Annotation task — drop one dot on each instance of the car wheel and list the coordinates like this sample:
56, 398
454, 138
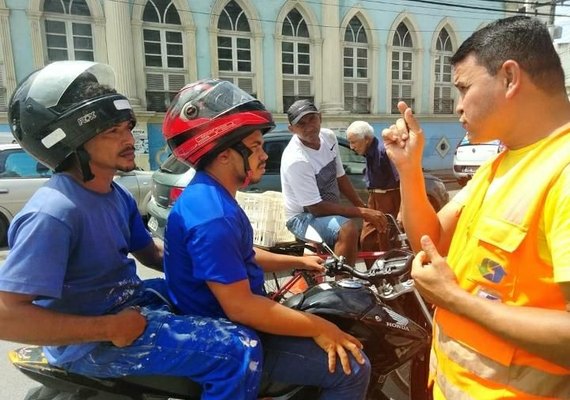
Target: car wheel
463, 181
3, 231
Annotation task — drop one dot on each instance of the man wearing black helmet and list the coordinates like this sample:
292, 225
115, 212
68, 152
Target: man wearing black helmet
68, 269
211, 266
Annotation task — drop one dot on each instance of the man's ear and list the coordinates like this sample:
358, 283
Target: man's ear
224, 156
290, 128
512, 75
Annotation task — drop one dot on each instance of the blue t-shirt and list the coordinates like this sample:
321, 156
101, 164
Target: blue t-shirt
208, 238
380, 171
69, 247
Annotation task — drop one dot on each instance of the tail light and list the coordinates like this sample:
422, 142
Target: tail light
174, 194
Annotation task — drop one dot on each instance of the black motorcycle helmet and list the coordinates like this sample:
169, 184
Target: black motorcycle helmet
52, 116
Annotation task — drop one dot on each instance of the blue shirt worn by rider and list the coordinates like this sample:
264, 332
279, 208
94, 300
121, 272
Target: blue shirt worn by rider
208, 238
69, 247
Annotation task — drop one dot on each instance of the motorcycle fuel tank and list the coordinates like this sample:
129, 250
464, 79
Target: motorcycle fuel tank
389, 338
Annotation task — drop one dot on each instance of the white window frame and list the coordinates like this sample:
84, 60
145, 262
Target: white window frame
69, 20
442, 59
302, 84
354, 81
246, 80
400, 81
164, 70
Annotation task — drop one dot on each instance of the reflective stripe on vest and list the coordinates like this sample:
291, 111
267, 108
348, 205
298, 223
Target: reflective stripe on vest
522, 378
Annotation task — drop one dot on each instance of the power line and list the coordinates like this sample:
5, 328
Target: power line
460, 7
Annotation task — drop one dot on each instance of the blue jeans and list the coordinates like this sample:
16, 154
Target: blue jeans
297, 360
225, 358
328, 227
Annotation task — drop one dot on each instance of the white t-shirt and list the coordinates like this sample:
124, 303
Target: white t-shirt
309, 176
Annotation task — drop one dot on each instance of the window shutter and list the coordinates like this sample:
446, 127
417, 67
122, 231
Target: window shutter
304, 88
246, 84
362, 90
176, 82
154, 82
3, 99
288, 87
348, 90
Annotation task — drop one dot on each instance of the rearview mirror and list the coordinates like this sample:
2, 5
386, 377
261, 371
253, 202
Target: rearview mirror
311, 235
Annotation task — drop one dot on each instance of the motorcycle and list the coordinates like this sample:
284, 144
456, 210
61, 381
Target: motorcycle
379, 306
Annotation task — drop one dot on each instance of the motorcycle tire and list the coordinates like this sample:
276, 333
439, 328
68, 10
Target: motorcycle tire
42, 393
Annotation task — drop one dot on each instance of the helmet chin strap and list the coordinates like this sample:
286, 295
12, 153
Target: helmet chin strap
83, 158
244, 152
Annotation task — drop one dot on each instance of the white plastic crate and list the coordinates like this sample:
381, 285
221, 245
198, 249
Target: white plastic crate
267, 216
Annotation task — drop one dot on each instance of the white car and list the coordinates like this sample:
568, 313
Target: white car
468, 158
21, 175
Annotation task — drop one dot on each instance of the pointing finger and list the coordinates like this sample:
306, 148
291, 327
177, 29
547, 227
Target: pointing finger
408, 116
402, 107
411, 121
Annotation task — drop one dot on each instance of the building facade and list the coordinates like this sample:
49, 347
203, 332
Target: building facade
354, 59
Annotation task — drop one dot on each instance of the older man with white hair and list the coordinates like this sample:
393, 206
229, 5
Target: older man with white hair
382, 181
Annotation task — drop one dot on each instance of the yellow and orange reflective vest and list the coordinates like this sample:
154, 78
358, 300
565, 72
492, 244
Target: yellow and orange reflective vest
503, 249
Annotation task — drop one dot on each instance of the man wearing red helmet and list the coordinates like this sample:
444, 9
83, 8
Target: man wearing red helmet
211, 266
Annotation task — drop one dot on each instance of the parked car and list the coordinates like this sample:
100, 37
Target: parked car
172, 177
21, 175
468, 158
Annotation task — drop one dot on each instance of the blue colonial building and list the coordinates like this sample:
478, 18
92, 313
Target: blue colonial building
354, 59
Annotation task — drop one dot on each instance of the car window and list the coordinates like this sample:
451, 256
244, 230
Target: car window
354, 164
19, 164
174, 166
274, 150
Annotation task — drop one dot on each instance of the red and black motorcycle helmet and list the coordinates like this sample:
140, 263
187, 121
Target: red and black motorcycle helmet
209, 116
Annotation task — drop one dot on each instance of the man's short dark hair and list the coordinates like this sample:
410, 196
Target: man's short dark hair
522, 39
85, 87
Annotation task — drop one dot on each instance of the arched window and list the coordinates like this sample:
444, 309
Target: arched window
296, 59
165, 68
235, 47
355, 63
402, 67
68, 30
443, 87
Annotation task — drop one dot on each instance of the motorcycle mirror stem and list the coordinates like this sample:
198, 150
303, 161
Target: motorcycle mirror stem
311, 235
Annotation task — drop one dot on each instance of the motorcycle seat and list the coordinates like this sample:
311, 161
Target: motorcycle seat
171, 384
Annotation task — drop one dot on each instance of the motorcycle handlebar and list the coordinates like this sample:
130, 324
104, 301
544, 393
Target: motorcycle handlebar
394, 263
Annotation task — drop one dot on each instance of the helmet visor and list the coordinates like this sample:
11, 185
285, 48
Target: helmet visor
57, 77
208, 98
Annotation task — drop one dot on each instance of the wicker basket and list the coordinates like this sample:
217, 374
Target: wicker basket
267, 216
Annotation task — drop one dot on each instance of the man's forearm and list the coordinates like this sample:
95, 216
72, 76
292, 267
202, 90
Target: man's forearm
418, 216
31, 324
272, 262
